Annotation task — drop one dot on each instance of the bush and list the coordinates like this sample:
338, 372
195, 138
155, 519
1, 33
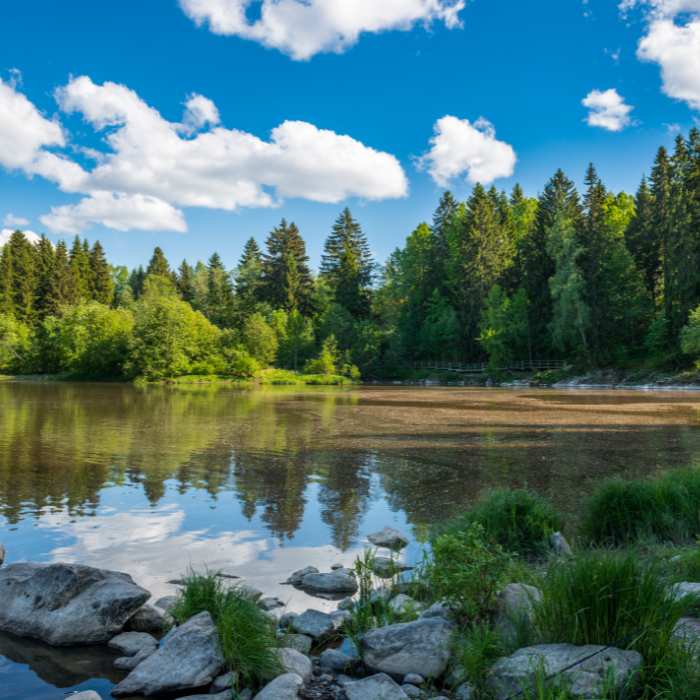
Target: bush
520, 521
247, 637
15, 344
260, 339
666, 508
476, 649
327, 359
690, 335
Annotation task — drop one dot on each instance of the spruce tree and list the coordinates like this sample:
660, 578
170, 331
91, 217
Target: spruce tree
219, 305
137, 277
24, 270
249, 280
44, 294
185, 282
444, 224
7, 302
63, 290
643, 240
80, 270
347, 265
101, 283
158, 264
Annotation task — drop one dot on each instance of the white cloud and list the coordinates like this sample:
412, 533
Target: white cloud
200, 111
607, 110
303, 28
5, 234
461, 148
16, 221
122, 212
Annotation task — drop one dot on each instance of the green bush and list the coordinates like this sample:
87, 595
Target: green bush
15, 344
518, 520
476, 648
666, 509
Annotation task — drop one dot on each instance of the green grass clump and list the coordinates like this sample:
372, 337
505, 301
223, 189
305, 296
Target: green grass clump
666, 509
475, 650
247, 637
518, 520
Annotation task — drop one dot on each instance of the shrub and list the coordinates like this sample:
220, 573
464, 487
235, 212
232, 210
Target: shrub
15, 344
518, 520
260, 339
327, 360
690, 335
475, 650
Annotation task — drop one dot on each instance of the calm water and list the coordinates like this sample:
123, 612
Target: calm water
256, 484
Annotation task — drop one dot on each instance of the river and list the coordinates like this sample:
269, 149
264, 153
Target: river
154, 481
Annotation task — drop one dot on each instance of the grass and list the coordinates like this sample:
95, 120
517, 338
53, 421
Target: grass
285, 377
247, 637
666, 509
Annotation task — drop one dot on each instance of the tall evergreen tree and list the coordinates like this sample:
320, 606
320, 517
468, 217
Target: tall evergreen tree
7, 300
185, 282
137, 279
80, 269
444, 225
46, 263
101, 283
249, 280
643, 240
158, 264
63, 289
23, 258
219, 305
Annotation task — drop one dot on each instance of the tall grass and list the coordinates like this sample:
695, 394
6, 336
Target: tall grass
666, 509
246, 634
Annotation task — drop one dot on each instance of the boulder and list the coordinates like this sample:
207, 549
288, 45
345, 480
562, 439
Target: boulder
166, 603
411, 691
313, 623
131, 643
300, 642
297, 576
188, 658
684, 589
389, 538
516, 608
293, 661
333, 582
2, 558
346, 604
585, 670
386, 567
270, 603
403, 604
687, 632
420, 647
221, 695
336, 661
464, 692
441, 609
66, 604
284, 687
377, 687
414, 679
559, 545
285, 620
224, 682
129, 663
150, 619
340, 618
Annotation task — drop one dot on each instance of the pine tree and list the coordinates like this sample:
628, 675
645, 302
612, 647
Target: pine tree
158, 264
101, 284
63, 290
347, 265
7, 302
219, 305
643, 240
23, 257
46, 263
185, 282
249, 280
136, 281
80, 270
444, 224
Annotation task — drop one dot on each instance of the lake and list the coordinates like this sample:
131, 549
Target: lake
154, 481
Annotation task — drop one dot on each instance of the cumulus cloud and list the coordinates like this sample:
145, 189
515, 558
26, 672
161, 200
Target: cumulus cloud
16, 221
460, 148
200, 111
304, 28
607, 110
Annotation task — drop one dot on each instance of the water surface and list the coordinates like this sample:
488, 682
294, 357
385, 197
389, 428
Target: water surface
259, 483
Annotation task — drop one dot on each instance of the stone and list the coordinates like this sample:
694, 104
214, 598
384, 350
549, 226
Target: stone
385, 567
297, 576
224, 682
422, 646
270, 603
166, 603
464, 692
336, 661
346, 604
414, 679
129, 663
336, 566
293, 661
150, 619
515, 609
560, 545
389, 538
284, 687
377, 687
687, 632
222, 695
130, 643
585, 670
340, 581
313, 623
685, 588
441, 609
403, 604
411, 691
340, 618
188, 658
66, 604
2, 556
84, 695
300, 642
248, 591
287, 619
245, 694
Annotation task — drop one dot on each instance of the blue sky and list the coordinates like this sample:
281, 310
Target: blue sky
125, 70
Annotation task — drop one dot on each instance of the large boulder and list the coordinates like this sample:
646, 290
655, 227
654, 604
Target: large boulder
687, 632
389, 538
189, 658
586, 671
377, 687
284, 687
516, 609
685, 589
66, 604
296, 577
313, 623
420, 647
331, 583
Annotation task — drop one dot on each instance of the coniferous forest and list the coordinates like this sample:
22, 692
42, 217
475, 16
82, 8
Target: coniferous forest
592, 278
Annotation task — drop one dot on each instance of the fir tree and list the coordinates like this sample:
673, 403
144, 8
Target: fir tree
249, 280
219, 305
136, 282
23, 280
158, 264
7, 302
185, 282
80, 269
44, 293
643, 240
101, 283
63, 290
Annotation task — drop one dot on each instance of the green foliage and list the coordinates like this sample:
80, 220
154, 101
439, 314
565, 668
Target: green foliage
519, 521
327, 360
239, 362
247, 637
15, 343
260, 339
690, 336
504, 327
476, 649
666, 508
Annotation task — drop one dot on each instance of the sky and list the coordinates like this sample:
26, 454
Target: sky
196, 124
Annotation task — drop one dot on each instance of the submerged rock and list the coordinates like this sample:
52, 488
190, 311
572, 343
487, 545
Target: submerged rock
586, 670
389, 538
377, 687
66, 604
189, 658
85, 695
296, 577
284, 687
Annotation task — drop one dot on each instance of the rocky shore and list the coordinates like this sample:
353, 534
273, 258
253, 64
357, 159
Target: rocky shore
65, 604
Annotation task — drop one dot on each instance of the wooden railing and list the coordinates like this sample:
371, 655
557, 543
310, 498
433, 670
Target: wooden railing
479, 367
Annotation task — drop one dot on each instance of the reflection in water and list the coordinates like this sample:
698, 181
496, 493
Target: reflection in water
256, 484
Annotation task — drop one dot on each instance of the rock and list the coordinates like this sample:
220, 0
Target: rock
389, 538
150, 619
188, 658
340, 581
687, 632
336, 566
270, 603
346, 604
2, 557
377, 687
340, 618
284, 687
131, 643
414, 679
336, 661
411, 691
313, 623
222, 695
386, 567
598, 666
420, 647
224, 682
404, 605
297, 576
129, 663
559, 545
300, 642
464, 692
84, 695
684, 589
166, 603
66, 604
248, 591
441, 609
516, 608
245, 694
293, 661
287, 619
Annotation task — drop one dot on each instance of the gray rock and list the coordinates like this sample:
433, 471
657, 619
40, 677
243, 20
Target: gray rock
221, 695
340, 581
336, 661
585, 670
224, 682
559, 545
346, 604
150, 619
685, 589
66, 604
166, 603
465, 692
131, 643
248, 591
84, 695
129, 663
420, 647
414, 679
297, 576
516, 609
336, 566
377, 687
245, 694
441, 609
2, 558
270, 603
188, 658
300, 642
286, 620
293, 661
411, 691
313, 623
389, 538
340, 618
386, 567
687, 632
284, 687
403, 604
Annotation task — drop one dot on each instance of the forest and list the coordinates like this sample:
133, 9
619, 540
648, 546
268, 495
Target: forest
594, 279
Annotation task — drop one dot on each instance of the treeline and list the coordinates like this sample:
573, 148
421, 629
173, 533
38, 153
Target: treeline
595, 279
